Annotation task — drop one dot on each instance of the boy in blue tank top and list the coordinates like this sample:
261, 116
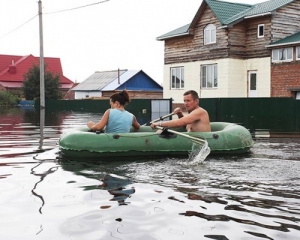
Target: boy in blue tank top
116, 119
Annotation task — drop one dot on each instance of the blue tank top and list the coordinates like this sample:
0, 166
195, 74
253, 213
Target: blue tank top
119, 121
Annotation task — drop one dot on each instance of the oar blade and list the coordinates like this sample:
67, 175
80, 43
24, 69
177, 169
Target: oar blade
199, 153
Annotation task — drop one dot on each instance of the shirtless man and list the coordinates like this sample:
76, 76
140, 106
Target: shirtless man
196, 121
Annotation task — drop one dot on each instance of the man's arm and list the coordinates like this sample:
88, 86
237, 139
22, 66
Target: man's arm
178, 111
183, 121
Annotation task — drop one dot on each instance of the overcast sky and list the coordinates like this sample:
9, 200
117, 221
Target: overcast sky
104, 35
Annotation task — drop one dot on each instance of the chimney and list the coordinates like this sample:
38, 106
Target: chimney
12, 69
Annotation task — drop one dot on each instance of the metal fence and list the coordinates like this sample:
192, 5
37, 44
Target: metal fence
271, 114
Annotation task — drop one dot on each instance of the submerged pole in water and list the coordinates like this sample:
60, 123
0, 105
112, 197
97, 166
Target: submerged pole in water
42, 75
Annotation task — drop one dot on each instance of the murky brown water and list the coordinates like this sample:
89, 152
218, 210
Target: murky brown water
45, 196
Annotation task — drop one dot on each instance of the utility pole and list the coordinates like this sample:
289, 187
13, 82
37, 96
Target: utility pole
42, 70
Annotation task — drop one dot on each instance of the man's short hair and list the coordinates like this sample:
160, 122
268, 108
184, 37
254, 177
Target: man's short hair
193, 93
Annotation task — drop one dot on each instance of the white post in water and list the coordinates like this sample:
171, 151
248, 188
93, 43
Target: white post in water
42, 75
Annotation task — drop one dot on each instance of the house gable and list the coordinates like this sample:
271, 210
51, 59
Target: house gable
140, 81
13, 68
229, 14
285, 21
191, 48
222, 10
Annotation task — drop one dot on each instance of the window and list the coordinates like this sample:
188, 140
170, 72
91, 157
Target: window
209, 76
210, 34
177, 78
260, 30
298, 53
283, 54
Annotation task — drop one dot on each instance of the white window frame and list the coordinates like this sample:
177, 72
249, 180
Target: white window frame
282, 55
258, 30
209, 35
298, 53
209, 76
177, 76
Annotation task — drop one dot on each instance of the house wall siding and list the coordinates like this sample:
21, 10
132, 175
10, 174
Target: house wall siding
232, 78
256, 47
192, 48
284, 22
237, 41
285, 76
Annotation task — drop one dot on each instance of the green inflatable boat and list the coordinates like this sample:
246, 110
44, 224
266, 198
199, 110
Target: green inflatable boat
225, 138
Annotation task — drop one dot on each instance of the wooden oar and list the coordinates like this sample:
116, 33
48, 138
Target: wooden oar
197, 140
158, 119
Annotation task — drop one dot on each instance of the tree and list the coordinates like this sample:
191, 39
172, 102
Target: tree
31, 84
8, 99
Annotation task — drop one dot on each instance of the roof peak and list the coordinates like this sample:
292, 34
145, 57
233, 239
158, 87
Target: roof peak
124, 70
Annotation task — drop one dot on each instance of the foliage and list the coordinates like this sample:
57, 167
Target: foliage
8, 99
31, 84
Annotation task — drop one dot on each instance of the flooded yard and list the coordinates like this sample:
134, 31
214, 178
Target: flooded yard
44, 195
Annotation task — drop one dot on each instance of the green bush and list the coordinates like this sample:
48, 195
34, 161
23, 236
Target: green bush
31, 84
8, 99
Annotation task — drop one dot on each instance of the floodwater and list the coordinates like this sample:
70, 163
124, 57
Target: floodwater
45, 196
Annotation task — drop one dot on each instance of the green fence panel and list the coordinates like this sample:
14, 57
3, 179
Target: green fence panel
209, 104
256, 114
297, 116
270, 114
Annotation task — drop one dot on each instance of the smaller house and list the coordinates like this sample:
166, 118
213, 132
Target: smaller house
104, 84
13, 68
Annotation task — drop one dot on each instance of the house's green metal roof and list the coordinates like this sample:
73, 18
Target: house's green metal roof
225, 10
177, 32
295, 38
258, 9
230, 13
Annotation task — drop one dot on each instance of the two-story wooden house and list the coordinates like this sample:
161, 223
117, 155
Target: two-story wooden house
235, 50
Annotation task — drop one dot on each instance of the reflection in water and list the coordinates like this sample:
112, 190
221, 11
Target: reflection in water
251, 196
42, 177
42, 125
115, 185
